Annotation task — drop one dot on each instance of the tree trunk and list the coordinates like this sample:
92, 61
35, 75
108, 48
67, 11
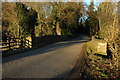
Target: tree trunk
58, 29
99, 25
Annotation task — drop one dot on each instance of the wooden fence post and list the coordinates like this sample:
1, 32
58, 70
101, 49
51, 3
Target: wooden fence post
25, 42
9, 43
28, 44
21, 42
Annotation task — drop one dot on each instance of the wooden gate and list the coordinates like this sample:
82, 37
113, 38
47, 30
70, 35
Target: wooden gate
15, 44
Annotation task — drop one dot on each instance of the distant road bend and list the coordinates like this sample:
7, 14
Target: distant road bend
52, 61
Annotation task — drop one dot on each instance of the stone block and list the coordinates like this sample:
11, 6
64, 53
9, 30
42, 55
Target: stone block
102, 48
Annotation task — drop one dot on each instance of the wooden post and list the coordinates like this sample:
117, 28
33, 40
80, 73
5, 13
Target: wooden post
16, 40
21, 42
25, 42
28, 44
9, 43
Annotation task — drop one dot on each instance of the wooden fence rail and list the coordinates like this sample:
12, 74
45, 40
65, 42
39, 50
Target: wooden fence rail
15, 44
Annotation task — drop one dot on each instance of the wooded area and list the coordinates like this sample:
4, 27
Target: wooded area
37, 19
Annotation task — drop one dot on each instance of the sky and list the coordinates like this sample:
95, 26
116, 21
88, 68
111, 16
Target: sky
95, 1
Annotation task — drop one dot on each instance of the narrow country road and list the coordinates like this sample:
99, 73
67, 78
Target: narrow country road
52, 61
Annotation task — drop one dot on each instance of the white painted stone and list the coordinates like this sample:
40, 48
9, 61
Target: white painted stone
102, 48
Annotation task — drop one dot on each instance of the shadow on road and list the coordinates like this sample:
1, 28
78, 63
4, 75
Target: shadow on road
44, 49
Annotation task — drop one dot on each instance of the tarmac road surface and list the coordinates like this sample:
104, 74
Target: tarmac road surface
52, 61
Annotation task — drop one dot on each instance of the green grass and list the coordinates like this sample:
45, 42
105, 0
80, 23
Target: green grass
104, 75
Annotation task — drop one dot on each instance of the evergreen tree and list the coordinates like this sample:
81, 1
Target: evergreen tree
92, 20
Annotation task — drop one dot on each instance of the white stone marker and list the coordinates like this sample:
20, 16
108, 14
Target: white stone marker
102, 48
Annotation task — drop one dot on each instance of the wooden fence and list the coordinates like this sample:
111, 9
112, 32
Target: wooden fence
15, 44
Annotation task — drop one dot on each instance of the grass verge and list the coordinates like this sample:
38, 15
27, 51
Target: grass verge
91, 66
98, 66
